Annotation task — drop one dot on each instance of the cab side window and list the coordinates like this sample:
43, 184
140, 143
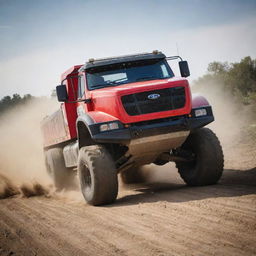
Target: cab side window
81, 86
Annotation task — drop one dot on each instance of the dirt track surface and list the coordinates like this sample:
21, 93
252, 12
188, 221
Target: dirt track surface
153, 219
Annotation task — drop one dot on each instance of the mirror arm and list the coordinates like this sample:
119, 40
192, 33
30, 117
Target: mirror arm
69, 77
174, 58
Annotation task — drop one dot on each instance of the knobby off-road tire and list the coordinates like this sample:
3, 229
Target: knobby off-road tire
207, 167
97, 175
132, 175
55, 164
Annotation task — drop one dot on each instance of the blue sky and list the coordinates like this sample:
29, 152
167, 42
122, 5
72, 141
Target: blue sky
40, 39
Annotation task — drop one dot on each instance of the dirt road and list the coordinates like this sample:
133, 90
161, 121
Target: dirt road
154, 219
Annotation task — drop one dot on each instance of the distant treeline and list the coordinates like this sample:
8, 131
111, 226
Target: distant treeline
9, 102
239, 79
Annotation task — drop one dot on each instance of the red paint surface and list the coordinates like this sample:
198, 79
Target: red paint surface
106, 105
199, 101
72, 89
61, 125
108, 100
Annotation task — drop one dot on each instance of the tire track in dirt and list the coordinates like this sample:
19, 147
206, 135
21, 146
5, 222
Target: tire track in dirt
149, 219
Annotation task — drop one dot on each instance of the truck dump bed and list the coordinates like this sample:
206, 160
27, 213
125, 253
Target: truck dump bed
55, 129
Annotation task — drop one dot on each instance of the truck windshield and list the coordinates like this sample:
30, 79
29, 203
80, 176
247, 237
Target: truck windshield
129, 72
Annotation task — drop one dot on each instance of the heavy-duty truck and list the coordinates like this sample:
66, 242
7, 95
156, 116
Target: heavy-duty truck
120, 113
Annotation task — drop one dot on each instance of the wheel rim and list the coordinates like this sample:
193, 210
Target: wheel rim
86, 180
190, 166
191, 155
193, 162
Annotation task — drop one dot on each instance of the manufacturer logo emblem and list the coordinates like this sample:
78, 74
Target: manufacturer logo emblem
153, 96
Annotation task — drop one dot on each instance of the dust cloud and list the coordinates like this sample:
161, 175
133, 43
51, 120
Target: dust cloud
232, 120
231, 117
22, 169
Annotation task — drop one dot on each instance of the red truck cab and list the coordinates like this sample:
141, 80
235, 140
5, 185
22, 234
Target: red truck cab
132, 108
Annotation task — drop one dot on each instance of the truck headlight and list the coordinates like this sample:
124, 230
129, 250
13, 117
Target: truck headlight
109, 126
200, 112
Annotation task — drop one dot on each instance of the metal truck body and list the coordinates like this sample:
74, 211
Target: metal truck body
133, 106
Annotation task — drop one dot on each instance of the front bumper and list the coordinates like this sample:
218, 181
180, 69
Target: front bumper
145, 129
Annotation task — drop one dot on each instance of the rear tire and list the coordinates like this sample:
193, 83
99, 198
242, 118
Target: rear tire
97, 175
55, 164
207, 167
132, 175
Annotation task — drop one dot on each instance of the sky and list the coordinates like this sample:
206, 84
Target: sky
40, 39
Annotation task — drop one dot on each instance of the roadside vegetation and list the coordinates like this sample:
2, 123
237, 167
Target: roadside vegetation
234, 85
9, 102
236, 79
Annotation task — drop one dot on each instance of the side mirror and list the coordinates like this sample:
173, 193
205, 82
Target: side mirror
61, 92
184, 69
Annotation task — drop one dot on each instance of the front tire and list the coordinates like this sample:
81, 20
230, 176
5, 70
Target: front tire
97, 175
207, 166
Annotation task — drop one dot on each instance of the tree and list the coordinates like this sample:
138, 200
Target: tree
237, 78
217, 68
242, 76
8, 102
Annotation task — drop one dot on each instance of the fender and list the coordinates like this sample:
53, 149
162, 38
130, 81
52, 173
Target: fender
101, 117
94, 117
199, 101
85, 126
84, 118
83, 123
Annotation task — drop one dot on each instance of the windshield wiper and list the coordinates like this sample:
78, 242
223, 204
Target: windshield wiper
147, 78
151, 78
100, 86
117, 81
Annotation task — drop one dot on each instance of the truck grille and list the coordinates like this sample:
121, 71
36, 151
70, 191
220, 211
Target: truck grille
164, 100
